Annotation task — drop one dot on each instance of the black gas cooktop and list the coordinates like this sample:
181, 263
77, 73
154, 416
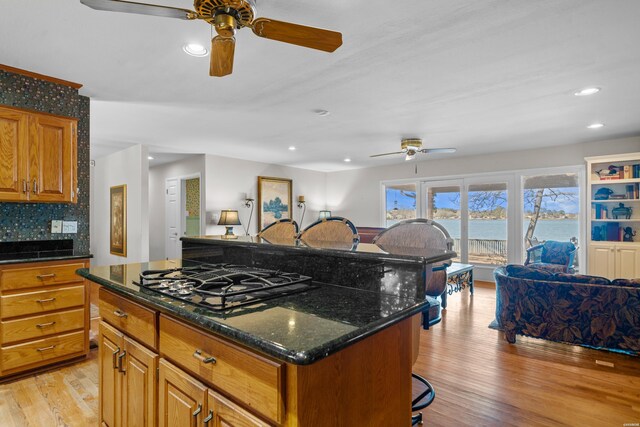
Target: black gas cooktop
223, 286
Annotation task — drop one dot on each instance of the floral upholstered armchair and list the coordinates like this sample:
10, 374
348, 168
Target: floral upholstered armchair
553, 256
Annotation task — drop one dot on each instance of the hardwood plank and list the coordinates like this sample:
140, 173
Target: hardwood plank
480, 379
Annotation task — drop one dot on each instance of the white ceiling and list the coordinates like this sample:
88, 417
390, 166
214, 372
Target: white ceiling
481, 76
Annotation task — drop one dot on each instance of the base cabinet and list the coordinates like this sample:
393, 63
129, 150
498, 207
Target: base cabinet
185, 401
614, 261
128, 381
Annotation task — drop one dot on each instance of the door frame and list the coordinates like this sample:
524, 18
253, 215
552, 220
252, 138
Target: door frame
182, 207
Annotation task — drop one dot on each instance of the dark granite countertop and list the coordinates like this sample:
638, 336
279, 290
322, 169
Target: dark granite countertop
361, 250
39, 251
299, 329
43, 257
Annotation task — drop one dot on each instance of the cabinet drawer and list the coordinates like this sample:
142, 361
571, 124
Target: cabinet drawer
133, 319
42, 351
41, 326
249, 378
37, 302
18, 278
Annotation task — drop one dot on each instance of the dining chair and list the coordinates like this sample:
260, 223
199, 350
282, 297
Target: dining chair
283, 230
334, 232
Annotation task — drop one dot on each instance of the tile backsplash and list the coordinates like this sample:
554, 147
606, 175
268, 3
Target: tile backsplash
32, 221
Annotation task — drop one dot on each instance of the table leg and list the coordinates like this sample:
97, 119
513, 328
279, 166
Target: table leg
444, 298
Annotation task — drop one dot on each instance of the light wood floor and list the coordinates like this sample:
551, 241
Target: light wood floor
65, 397
480, 380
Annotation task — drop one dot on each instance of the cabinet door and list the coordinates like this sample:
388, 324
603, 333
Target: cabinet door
627, 262
51, 158
221, 412
110, 343
14, 134
139, 386
602, 261
181, 398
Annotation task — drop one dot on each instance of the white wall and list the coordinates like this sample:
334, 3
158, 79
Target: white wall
356, 194
157, 179
130, 167
228, 180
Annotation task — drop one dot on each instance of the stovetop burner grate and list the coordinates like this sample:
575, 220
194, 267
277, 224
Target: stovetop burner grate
223, 286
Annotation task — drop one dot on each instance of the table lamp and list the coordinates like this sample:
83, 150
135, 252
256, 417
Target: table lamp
229, 218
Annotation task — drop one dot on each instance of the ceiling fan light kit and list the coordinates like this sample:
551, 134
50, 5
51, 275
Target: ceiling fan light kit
412, 146
227, 17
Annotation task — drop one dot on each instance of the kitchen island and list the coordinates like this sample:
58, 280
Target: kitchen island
332, 354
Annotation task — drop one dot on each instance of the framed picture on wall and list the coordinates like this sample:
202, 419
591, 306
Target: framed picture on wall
274, 199
118, 220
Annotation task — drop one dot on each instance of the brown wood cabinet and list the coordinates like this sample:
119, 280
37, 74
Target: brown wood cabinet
207, 380
128, 375
38, 157
44, 315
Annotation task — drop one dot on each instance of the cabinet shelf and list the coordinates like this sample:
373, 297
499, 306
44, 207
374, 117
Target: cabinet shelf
615, 200
615, 220
614, 181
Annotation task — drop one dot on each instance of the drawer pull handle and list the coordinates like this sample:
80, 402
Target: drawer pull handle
51, 347
120, 313
45, 325
197, 411
208, 418
46, 300
46, 276
24, 186
115, 358
120, 357
198, 355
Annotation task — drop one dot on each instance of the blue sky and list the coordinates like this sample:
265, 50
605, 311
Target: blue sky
448, 200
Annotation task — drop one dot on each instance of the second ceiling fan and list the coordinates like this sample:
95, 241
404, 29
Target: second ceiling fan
228, 16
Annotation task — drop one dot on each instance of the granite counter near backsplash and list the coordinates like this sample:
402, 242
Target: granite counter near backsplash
32, 221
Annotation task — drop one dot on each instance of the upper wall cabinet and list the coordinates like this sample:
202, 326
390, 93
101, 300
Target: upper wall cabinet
38, 157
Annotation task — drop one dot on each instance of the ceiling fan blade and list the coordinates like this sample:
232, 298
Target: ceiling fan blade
438, 150
387, 154
314, 38
222, 51
140, 8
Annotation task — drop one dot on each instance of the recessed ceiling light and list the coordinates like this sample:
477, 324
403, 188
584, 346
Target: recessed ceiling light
595, 126
292, 148
150, 158
322, 113
195, 49
587, 91
347, 160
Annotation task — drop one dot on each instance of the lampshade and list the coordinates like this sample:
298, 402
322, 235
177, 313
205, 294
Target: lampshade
324, 214
229, 217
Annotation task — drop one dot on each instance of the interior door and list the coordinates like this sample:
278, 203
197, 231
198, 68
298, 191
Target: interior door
14, 131
51, 162
173, 219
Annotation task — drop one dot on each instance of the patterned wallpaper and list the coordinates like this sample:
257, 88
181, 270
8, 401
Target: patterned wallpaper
193, 196
32, 221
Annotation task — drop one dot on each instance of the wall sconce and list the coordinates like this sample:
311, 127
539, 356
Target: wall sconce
324, 215
229, 218
248, 203
302, 205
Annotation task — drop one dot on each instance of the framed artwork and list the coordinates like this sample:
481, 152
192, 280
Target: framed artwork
274, 199
118, 220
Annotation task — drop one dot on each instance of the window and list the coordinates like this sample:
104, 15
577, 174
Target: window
488, 223
400, 203
443, 206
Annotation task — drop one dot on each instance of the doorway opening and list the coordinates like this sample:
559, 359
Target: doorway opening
183, 205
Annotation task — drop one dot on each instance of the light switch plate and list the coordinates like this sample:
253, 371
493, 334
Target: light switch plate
69, 226
56, 226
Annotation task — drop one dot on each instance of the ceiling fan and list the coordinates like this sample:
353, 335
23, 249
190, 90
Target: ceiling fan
227, 16
413, 146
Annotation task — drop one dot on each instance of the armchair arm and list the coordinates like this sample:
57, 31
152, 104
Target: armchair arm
531, 256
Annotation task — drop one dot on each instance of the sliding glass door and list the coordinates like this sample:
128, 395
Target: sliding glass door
444, 206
